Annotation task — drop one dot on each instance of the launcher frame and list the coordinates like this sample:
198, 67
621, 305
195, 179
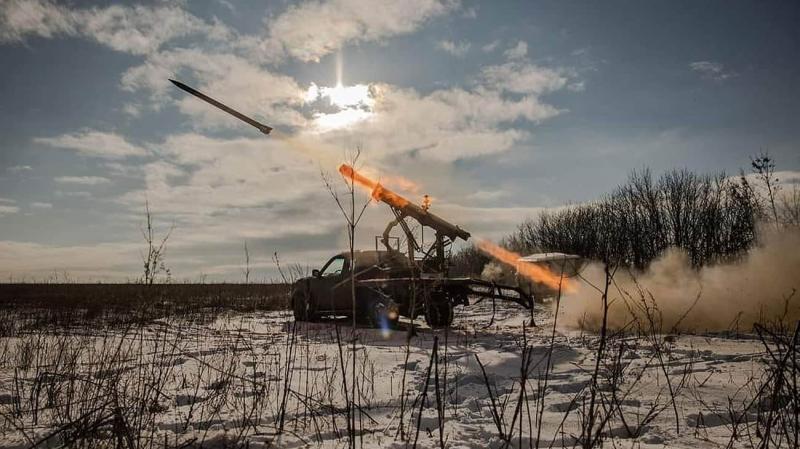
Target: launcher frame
430, 273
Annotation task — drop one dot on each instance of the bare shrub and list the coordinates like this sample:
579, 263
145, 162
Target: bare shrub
712, 218
763, 166
790, 208
153, 258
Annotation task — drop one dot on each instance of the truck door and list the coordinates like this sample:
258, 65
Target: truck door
326, 286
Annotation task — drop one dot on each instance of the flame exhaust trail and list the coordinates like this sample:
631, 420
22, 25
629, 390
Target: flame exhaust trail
536, 273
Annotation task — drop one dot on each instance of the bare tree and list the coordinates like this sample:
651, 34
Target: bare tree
246, 269
711, 217
154, 260
763, 166
352, 215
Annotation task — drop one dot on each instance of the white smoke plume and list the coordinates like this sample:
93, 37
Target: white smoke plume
492, 272
759, 288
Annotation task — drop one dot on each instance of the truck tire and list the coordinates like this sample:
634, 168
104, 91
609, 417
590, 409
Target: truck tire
301, 306
439, 312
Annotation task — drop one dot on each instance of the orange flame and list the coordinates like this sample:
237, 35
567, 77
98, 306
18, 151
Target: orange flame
536, 273
377, 191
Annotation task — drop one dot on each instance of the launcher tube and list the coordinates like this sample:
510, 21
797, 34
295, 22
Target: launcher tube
406, 207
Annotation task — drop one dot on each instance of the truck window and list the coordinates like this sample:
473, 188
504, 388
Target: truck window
334, 267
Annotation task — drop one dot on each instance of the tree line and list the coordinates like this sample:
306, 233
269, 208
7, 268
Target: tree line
713, 217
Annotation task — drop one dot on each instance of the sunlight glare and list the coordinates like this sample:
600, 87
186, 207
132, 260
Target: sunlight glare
341, 119
354, 104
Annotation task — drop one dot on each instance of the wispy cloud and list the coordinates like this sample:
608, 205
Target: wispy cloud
82, 180
458, 49
314, 29
94, 143
712, 70
19, 168
8, 209
133, 29
458, 123
522, 77
518, 51
41, 205
40, 260
22, 18
72, 194
491, 46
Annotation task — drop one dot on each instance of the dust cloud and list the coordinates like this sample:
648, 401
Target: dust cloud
492, 272
758, 288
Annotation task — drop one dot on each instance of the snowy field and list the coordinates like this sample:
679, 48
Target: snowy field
254, 380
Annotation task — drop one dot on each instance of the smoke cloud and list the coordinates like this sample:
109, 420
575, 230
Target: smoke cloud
492, 272
756, 289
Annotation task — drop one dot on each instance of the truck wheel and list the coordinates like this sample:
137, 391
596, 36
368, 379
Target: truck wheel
439, 313
301, 306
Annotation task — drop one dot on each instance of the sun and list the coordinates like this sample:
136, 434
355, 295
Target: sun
353, 104
349, 96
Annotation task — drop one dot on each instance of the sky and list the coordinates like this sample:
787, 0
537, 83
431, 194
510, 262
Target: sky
497, 110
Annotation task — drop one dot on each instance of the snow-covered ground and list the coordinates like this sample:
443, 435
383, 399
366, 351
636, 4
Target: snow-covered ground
253, 380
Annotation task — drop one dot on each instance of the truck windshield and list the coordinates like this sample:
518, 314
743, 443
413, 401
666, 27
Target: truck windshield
334, 267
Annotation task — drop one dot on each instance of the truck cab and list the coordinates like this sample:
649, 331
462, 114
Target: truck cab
328, 291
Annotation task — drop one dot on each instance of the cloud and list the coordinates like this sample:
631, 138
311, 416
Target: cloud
456, 123
94, 143
711, 70
82, 180
491, 223
313, 29
491, 46
458, 49
133, 29
306, 31
577, 86
6, 209
518, 51
72, 194
785, 181
19, 168
21, 18
141, 29
85, 262
38, 205
488, 195
521, 77
196, 175
444, 125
